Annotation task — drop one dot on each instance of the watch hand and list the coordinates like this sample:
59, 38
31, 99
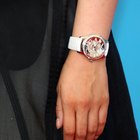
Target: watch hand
96, 46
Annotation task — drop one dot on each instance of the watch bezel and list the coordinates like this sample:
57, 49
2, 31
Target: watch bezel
105, 48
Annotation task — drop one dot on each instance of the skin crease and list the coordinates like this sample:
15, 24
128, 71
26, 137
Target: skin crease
83, 96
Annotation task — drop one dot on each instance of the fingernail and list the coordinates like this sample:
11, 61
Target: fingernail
57, 123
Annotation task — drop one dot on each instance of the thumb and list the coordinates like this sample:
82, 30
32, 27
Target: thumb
59, 113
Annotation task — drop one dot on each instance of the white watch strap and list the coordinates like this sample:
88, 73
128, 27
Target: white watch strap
75, 43
107, 48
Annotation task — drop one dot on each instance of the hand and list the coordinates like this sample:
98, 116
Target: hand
82, 101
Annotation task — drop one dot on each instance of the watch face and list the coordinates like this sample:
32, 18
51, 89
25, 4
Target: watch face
94, 47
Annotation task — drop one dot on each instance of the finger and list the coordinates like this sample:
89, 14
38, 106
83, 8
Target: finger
59, 112
93, 119
81, 124
96, 137
102, 119
69, 123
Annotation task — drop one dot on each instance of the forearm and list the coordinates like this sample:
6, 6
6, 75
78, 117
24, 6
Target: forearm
94, 17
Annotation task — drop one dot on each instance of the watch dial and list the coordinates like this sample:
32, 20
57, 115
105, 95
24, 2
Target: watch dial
94, 48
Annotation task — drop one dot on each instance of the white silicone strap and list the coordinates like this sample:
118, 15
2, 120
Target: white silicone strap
75, 43
107, 49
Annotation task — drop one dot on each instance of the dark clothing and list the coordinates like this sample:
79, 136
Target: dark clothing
34, 48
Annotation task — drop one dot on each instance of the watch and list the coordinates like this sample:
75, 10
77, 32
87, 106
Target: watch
94, 47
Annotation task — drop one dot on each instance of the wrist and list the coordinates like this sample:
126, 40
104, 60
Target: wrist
79, 58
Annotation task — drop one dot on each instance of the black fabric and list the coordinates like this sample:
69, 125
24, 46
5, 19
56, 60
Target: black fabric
120, 122
22, 29
62, 25
15, 104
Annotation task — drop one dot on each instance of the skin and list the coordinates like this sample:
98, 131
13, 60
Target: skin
83, 96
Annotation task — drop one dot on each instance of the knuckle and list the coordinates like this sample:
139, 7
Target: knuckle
106, 98
106, 94
92, 131
102, 123
105, 101
68, 101
69, 131
101, 128
58, 109
81, 133
84, 103
96, 102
